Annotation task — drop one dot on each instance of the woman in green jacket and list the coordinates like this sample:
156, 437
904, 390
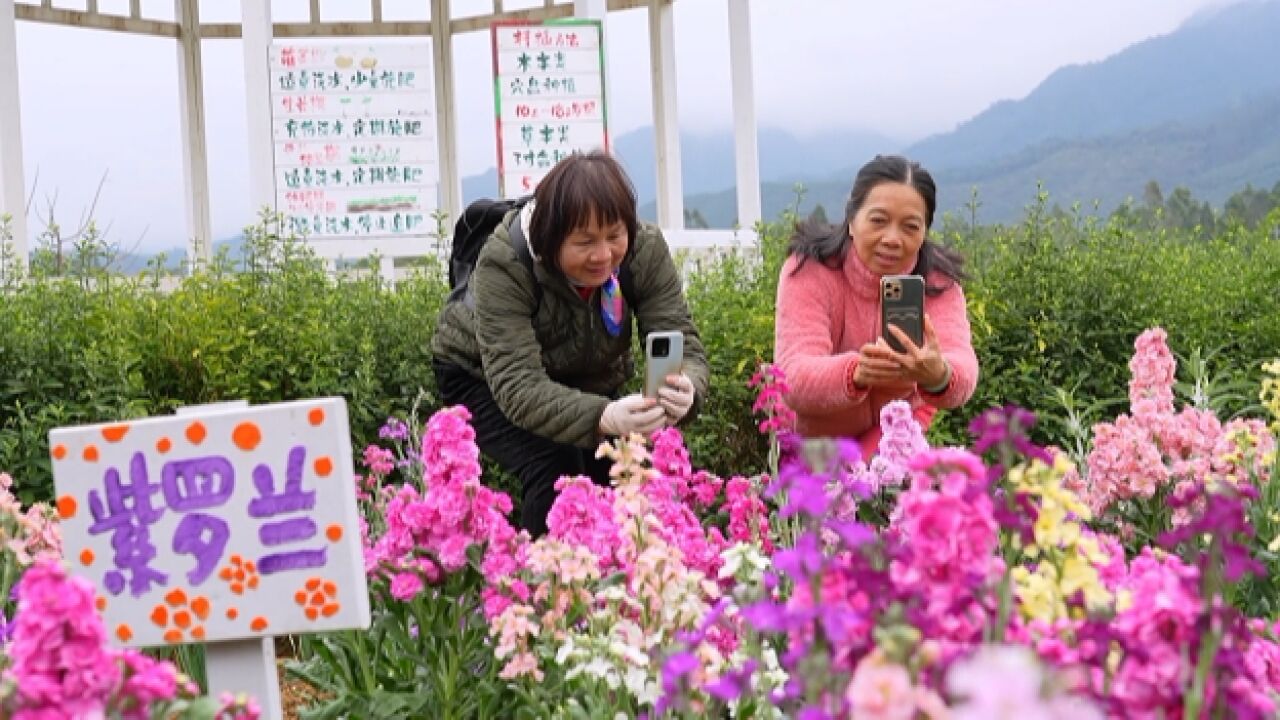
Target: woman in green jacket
539, 358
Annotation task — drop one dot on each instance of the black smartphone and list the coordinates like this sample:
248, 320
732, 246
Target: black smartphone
902, 304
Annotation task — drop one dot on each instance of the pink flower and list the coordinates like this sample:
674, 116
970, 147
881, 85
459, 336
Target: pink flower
950, 532
1006, 683
406, 585
379, 461
902, 440
772, 384
880, 690
60, 656
147, 682
452, 513
1153, 369
583, 515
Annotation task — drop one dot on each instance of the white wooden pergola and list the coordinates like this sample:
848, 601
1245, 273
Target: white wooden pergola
256, 30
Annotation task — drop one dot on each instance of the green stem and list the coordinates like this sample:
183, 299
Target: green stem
366, 667
1005, 605
1212, 638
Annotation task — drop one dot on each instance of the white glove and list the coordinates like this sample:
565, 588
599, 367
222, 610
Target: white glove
632, 414
676, 397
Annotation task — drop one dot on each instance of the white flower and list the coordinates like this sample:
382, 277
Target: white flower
629, 653
566, 650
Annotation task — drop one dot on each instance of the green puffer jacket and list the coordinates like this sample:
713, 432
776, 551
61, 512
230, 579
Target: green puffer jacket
554, 373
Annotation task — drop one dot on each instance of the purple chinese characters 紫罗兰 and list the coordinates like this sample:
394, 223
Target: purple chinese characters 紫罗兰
291, 499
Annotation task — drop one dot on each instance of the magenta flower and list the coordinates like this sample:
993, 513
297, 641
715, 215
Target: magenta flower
60, 657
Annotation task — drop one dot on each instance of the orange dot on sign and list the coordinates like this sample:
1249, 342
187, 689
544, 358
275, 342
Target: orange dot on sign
313, 583
246, 436
330, 588
330, 610
59, 452
334, 532
316, 416
324, 466
237, 588
238, 575
300, 597
248, 565
164, 445
160, 615
236, 559
86, 557
173, 636
182, 619
201, 607
312, 613
66, 507
198, 632
91, 453
114, 433
259, 624
100, 603
196, 432
232, 613
124, 632
176, 597
253, 582
317, 598
226, 573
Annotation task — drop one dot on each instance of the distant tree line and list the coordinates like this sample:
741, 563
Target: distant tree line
1181, 210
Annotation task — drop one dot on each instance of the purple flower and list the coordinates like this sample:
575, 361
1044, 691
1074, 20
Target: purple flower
803, 560
394, 429
853, 534
674, 671
814, 713
767, 616
1007, 425
733, 683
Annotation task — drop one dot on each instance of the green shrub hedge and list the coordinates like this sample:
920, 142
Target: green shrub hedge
1055, 302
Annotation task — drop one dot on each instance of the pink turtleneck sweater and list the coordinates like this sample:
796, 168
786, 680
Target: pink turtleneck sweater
824, 316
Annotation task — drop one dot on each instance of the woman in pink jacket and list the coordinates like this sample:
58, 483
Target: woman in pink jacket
828, 338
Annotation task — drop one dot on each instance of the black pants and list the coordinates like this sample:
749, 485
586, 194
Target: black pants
536, 460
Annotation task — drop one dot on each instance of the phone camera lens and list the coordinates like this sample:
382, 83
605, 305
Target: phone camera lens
661, 347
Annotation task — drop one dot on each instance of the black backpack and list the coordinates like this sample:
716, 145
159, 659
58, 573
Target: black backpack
477, 223
471, 231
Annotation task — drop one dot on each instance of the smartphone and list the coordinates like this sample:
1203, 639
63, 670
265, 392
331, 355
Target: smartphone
902, 304
663, 356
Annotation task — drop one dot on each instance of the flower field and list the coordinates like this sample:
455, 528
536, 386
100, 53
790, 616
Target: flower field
1131, 577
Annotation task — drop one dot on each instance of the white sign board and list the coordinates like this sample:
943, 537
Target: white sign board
216, 525
355, 143
549, 81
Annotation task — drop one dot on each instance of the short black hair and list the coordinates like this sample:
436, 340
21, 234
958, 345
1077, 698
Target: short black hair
581, 187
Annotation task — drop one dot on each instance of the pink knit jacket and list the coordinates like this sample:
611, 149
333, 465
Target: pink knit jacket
824, 316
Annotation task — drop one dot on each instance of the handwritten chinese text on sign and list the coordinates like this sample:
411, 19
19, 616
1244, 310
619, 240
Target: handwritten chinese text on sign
230, 523
550, 97
355, 141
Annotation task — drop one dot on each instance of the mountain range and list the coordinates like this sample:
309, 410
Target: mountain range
1198, 107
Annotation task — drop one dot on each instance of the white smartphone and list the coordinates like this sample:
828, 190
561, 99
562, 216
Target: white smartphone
663, 356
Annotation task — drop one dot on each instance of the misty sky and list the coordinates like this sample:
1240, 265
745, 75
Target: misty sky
95, 102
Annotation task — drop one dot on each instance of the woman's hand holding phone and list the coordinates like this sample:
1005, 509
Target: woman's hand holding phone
883, 367
676, 397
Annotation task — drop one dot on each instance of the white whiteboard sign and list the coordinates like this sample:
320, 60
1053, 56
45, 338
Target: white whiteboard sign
549, 82
217, 525
355, 142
